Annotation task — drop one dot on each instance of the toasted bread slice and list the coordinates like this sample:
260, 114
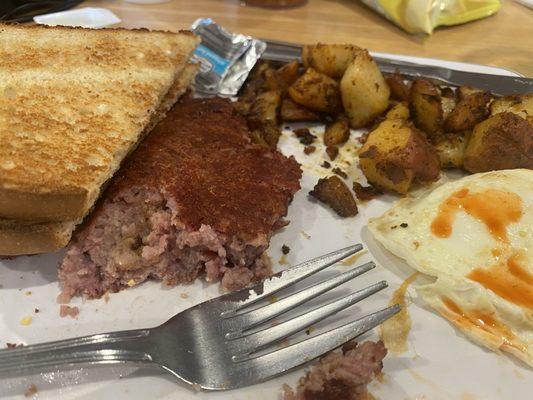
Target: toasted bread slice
73, 103
31, 237
17, 238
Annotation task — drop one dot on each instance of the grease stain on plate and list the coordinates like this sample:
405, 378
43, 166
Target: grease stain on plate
395, 330
351, 260
467, 396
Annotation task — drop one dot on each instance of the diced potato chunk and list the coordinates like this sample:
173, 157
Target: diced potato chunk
465, 91
399, 90
365, 94
317, 92
266, 106
294, 112
337, 132
503, 141
330, 59
282, 78
396, 154
447, 104
334, 192
521, 105
426, 107
451, 151
398, 111
469, 111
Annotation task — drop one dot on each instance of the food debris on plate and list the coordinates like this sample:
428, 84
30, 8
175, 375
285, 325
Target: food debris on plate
395, 331
332, 152
68, 311
305, 136
309, 149
342, 374
365, 193
13, 345
340, 172
334, 192
30, 391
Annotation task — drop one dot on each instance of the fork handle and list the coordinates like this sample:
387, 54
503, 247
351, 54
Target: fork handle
108, 348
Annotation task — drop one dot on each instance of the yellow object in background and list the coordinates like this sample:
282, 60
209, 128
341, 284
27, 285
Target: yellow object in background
422, 16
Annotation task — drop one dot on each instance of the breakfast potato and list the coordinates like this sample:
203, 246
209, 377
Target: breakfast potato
396, 154
447, 101
282, 78
266, 107
503, 141
451, 151
330, 59
365, 94
468, 112
465, 91
332, 152
317, 92
265, 133
257, 137
399, 90
294, 112
520, 104
398, 111
334, 192
255, 82
426, 108
337, 132
271, 133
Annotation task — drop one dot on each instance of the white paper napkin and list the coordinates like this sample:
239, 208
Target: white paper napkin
88, 17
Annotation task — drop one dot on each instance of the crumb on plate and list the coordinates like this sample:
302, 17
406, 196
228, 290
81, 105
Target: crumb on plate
68, 311
332, 152
30, 391
13, 345
309, 149
341, 374
364, 193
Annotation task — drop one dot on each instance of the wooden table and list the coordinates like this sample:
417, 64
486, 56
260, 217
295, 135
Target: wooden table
503, 40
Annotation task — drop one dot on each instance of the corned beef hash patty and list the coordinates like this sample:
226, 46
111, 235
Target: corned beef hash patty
196, 196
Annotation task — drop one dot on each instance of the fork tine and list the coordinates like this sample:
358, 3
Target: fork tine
281, 360
292, 275
266, 337
258, 316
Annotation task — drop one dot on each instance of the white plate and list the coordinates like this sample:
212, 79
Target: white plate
440, 364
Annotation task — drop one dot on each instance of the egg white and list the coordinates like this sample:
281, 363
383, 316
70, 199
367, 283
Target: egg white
405, 230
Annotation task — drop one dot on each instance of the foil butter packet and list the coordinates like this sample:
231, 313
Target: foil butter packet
225, 58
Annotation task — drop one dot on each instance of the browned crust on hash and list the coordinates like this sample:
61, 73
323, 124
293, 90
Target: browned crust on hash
202, 158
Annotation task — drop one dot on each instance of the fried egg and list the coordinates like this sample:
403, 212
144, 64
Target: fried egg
475, 237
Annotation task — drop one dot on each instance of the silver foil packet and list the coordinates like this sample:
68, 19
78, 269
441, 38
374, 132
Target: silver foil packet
225, 58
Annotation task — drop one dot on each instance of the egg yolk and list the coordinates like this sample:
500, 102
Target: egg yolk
495, 208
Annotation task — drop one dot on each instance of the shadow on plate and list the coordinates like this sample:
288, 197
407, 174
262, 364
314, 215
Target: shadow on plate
24, 271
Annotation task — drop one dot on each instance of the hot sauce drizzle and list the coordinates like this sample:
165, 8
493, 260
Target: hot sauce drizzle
495, 208
509, 280
482, 320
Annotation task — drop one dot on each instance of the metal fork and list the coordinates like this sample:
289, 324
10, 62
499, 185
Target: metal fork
222, 343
